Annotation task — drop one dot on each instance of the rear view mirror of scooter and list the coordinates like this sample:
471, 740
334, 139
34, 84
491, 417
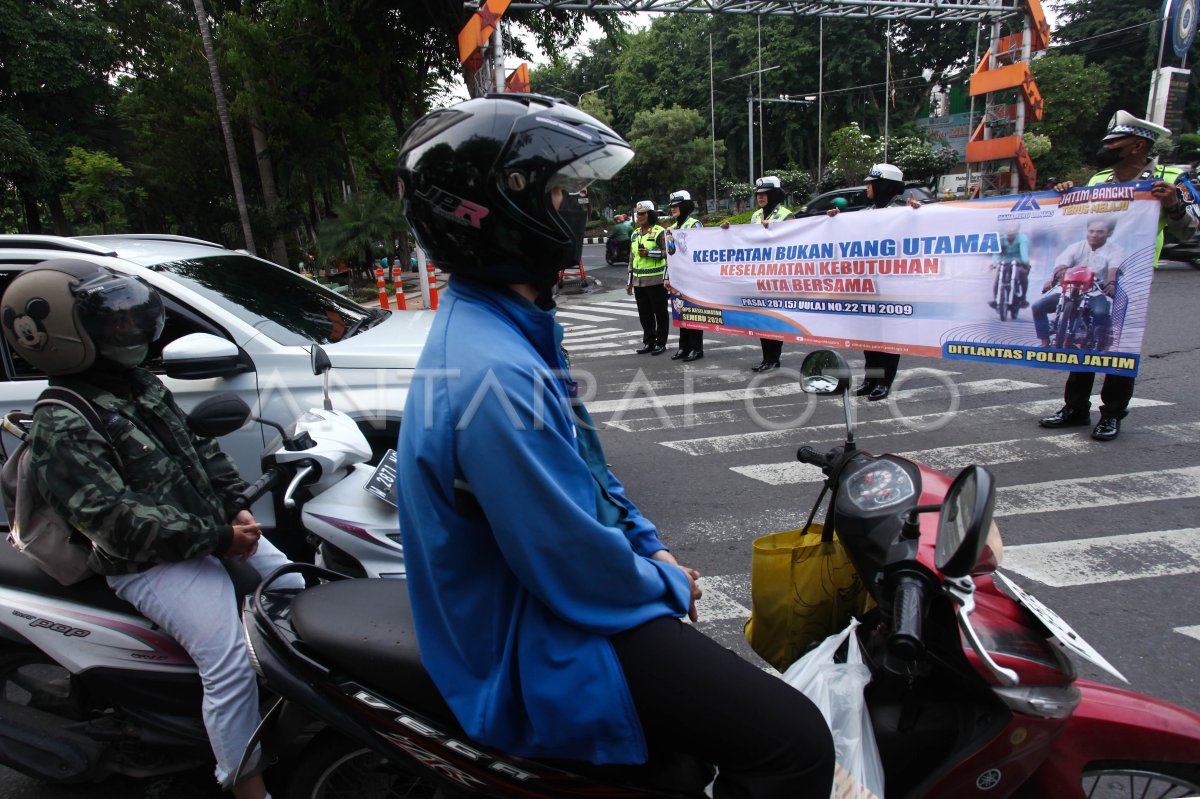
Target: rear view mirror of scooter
219, 415
321, 366
826, 372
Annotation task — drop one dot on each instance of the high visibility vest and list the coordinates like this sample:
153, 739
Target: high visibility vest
690, 222
644, 266
778, 215
1164, 173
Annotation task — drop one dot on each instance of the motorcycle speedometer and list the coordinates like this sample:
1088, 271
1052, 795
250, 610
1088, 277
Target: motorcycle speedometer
879, 484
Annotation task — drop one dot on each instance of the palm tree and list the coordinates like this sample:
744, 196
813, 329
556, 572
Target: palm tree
235, 173
358, 224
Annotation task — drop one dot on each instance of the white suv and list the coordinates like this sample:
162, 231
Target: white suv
239, 323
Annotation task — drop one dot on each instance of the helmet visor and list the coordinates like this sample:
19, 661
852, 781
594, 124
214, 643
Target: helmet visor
119, 311
600, 164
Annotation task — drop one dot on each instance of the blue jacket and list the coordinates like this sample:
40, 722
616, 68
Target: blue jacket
523, 553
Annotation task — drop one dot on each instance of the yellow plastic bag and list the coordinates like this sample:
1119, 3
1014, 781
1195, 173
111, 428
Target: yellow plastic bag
802, 590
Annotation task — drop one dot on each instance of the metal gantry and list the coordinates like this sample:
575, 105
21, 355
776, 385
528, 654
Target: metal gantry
928, 10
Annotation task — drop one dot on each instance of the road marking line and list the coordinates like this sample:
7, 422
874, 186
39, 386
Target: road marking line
1193, 631
1098, 492
594, 309
1113, 558
717, 602
583, 316
663, 401
595, 332
987, 453
763, 439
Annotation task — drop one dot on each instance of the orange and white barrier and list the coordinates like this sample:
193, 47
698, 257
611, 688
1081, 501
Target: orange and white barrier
398, 288
379, 282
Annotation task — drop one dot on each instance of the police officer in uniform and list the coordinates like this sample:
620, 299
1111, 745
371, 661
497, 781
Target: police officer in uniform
691, 342
769, 195
1125, 156
647, 278
885, 189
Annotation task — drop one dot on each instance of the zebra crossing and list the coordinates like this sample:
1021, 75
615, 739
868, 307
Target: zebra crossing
1078, 515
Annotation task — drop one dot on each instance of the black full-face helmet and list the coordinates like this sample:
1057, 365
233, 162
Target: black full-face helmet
61, 314
476, 181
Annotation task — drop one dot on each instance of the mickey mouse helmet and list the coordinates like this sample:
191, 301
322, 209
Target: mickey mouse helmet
61, 314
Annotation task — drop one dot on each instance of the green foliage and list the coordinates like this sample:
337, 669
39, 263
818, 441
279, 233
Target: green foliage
358, 225
919, 159
100, 190
797, 184
1189, 148
1037, 145
852, 153
672, 151
740, 218
1076, 93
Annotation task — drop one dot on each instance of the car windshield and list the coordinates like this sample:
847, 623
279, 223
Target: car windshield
286, 306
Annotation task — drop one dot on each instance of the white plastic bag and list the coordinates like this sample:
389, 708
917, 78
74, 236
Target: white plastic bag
837, 690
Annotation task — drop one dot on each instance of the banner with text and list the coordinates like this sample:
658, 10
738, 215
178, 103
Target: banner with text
943, 280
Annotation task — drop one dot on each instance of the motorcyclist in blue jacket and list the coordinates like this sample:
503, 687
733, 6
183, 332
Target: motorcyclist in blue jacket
547, 609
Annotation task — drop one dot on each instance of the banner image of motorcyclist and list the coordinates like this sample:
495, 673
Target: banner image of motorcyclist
885, 185
617, 246
546, 608
1103, 260
1014, 250
647, 279
691, 342
769, 196
154, 500
1124, 155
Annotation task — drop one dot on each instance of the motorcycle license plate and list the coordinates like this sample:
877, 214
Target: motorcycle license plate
1063, 633
383, 480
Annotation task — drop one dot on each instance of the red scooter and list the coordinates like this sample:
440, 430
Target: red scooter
972, 694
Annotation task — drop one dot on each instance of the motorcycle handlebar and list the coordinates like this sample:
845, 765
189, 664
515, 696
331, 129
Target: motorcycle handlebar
272, 477
810, 456
907, 611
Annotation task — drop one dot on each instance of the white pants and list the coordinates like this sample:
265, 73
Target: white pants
194, 602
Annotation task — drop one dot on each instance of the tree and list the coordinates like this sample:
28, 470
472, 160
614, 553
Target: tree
359, 225
235, 171
852, 153
56, 58
100, 188
1076, 94
673, 151
919, 159
1037, 145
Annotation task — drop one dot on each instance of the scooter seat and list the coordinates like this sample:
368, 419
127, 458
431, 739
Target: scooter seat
22, 574
364, 628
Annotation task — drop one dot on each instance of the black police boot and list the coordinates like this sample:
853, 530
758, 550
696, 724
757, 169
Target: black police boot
1067, 417
1107, 429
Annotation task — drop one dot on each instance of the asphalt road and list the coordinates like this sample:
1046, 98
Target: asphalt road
1104, 533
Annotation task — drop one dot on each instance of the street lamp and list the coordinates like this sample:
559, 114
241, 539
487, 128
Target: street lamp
578, 97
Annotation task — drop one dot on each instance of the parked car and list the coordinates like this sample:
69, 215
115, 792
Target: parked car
856, 198
238, 323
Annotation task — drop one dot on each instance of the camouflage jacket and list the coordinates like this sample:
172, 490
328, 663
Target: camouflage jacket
156, 494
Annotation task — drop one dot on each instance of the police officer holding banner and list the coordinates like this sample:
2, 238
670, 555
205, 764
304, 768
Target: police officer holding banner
1125, 154
647, 278
691, 342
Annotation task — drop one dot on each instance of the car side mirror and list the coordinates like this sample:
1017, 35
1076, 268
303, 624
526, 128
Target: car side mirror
200, 356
